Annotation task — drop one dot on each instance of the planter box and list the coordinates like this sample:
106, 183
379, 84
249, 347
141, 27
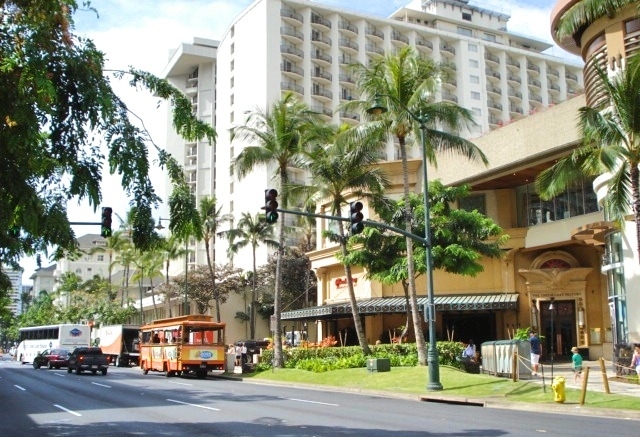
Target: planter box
378, 364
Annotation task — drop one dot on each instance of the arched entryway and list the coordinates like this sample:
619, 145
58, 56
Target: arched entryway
556, 285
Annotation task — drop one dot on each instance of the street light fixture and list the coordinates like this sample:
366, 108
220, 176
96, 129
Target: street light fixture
185, 309
432, 351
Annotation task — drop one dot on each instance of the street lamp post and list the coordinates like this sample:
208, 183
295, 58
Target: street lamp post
551, 309
185, 309
432, 351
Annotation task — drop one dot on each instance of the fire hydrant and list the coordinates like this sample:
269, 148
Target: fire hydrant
558, 389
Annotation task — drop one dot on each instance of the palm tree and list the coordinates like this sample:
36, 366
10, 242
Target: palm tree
345, 167
149, 265
277, 138
610, 133
251, 231
171, 249
211, 218
407, 83
114, 244
585, 12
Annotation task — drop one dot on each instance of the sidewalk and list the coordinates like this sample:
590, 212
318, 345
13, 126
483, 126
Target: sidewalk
595, 380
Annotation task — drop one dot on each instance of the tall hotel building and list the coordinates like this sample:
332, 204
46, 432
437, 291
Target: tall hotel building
275, 46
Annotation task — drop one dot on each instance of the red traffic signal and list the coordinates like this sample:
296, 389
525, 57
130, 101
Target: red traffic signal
270, 205
356, 217
105, 230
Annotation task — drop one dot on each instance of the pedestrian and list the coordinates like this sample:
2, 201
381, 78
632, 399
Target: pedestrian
576, 364
635, 358
238, 355
535, 352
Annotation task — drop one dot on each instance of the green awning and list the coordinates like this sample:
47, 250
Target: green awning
457, 302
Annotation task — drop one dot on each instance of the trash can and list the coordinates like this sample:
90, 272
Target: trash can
558, 389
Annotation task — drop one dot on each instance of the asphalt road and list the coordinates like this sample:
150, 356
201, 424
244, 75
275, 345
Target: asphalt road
126, 403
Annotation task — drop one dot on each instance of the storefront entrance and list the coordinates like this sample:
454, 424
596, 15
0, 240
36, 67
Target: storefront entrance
558, 329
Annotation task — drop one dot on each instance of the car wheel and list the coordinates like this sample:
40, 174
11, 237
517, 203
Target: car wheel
104, 372
145, 370
36, 365
78, 370
68, 369
49, 365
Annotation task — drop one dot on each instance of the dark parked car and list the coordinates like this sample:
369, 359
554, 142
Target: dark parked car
253, 347
51, 358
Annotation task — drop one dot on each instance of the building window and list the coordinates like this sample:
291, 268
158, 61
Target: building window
475, 95
232, 65
489, 37
575, 201
79, 271
233, 47
89, 271
473, 48
233, 81
231, 117
473, 203
465, 31
473, 63
100, 258
466, 16
474, 79
231, 99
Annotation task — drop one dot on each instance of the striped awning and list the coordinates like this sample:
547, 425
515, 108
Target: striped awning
457, 302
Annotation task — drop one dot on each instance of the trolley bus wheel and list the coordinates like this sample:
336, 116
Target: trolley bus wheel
145, 370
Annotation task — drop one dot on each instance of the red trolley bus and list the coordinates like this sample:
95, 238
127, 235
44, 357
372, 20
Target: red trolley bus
180, 345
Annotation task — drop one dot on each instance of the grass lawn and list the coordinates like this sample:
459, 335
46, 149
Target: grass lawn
413, 380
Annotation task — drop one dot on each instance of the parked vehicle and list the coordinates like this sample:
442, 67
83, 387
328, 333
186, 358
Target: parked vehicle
88, 358
121, 343
253, 348
51, 358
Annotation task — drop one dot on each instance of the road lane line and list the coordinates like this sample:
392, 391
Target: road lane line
20, 388
193, 405
181, 383
101, 385
311, 402
67, 410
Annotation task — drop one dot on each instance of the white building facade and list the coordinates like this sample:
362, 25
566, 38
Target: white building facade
275, 46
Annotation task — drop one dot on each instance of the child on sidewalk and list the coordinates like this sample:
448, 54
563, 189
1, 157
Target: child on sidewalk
576, 364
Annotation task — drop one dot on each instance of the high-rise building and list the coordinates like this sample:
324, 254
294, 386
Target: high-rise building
15, 276
303, 47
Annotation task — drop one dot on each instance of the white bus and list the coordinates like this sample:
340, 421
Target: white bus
35, 339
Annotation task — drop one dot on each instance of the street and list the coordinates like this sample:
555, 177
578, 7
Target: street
126, 403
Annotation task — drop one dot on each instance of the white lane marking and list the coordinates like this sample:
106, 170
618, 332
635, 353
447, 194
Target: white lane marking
311, 402
59, 374
67, 410
101, 385
193, 405
181, 383
20, 388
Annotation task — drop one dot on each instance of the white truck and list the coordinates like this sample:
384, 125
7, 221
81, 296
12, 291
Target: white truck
121, 343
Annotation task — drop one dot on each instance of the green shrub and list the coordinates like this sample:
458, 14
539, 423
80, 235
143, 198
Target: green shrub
325, 359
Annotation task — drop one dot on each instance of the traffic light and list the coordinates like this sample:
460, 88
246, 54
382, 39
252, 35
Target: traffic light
105, 230
356, 217
270, 205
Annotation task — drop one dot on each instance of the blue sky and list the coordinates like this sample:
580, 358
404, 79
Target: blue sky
141, 33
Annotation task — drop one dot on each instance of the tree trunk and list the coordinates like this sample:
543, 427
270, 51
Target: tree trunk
357, 322
278, 358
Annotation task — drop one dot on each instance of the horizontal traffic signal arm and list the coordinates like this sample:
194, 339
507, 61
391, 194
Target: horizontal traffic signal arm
414, 237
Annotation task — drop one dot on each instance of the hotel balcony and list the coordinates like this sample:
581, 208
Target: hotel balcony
320, 40
373, 33
291, 34
326, 113
321, 94
449, 96
492, 74
321, 76
512, 64
399, 39
319, 21
514, 79
348, 46
533, 67
321, 58
374, 49
491, 59
291, 16
291, 86
291, 52
347, 27
424, 45
447, 50
292, 71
